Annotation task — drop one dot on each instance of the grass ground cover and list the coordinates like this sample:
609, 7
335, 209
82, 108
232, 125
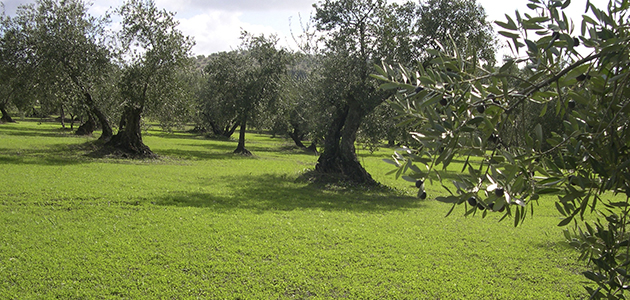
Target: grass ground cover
201, 223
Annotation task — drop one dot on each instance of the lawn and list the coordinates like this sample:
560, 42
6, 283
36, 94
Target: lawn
202, 223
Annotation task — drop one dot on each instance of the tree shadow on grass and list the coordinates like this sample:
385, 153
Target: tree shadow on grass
38, 132
224, 151
280, 193
195, 154
51, 155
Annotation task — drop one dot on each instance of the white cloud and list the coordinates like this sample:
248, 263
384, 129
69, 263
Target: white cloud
216, 31
188, 6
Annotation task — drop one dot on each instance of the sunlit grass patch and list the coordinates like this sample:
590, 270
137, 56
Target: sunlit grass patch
200, 222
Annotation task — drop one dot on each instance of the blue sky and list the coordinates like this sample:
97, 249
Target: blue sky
216, 24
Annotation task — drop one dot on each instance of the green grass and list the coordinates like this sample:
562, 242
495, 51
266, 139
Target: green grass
201, 223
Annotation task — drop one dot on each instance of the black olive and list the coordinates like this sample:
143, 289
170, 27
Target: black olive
419, 183
493, 138
555, 35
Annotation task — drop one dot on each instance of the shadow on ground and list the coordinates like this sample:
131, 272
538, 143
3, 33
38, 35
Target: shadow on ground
38, 132
281, 193
51, 155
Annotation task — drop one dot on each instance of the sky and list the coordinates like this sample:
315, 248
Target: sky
216, 24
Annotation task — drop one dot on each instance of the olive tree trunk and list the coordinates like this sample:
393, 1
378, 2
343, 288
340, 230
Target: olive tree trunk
240, 149
88, 127
339, 157
106, 128
6, 117
128, 140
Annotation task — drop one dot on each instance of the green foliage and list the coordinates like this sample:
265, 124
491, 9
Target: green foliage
14, 70
156, 57
203, 223
64, 53
460, 23
298, 113
462, 107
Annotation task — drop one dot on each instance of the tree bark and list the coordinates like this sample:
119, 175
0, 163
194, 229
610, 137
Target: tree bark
6, 117
62, 116
312, 148
297, 136
228, 133
107, 132
88, 127
240, 149
339, 157
128, 140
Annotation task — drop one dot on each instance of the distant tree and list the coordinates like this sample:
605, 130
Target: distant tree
156, 53
450, 24
298, 115
242, 82
219, 92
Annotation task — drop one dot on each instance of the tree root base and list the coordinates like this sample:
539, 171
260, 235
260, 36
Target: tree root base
336, 181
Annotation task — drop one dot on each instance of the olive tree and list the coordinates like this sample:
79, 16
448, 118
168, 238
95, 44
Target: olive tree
348, 93
219, 92
359, 35
68, 49
297, 114
243, 82
156, 53
582, 74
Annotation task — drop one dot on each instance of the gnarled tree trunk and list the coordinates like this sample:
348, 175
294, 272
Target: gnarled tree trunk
6, 118
339, 157
240, 149
128, 140
226, 131
88, 127
107, 132
296, 135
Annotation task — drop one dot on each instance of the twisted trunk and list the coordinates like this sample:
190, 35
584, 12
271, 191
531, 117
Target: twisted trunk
128, 140
107, 132
6, 118
88, 127
240, 149
296, 135
339, 157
